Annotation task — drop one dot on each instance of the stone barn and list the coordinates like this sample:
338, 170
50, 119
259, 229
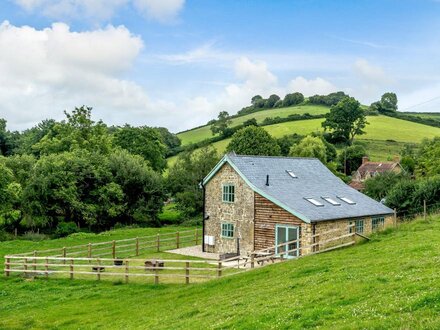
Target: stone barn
255, 202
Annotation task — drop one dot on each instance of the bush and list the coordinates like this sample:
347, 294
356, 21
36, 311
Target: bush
65, 229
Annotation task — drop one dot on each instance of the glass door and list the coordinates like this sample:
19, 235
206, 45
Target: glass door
284, 234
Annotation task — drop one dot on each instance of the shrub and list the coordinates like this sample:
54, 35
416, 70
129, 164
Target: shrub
65, 229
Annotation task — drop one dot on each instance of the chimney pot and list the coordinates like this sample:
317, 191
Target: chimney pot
365, 159
267, 180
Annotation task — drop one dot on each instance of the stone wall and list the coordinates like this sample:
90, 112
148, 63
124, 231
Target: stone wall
240, 213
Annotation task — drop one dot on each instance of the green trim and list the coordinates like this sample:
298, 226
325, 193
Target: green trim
228, 193
226, 159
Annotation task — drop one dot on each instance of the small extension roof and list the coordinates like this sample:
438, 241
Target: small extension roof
313, 181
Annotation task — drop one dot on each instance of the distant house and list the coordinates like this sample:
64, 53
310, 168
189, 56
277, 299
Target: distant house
370, 169
255, 202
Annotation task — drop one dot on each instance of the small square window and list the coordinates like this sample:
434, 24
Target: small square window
293, 175
358, 226
228, 193
377, 222
228, 230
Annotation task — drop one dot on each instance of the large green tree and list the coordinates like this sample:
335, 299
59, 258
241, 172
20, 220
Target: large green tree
253, 140
184, 179
293, 99
428, 158
220, 126
346, 119
310, 147
143, 141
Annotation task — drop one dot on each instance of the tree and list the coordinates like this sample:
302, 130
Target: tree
169, 139
346, 119
10, 194
253, 140
351, 158
379, 186
428, 158
250, 122
293, 99
310, 147
221, 124
79, 132
387, 103
185, 176
255, 99
270, 102
143, 141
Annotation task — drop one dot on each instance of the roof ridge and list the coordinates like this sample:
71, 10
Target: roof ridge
280, 157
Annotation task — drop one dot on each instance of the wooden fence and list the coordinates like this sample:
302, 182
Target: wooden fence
125, 247
63, 265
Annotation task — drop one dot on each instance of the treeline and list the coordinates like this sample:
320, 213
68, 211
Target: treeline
60, 177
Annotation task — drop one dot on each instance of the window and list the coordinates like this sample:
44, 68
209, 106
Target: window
358, 226
331, 201
227, 230
228, 193
293, 175
347, 200
314, 202
377, 222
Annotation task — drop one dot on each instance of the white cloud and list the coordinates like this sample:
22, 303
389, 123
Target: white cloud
370, 72
160, 10
310, 87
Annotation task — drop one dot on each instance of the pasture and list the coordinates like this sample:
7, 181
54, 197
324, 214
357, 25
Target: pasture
390, 282
204, 132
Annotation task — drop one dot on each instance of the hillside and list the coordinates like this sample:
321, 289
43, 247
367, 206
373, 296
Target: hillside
204, 132
385, 136
389, 282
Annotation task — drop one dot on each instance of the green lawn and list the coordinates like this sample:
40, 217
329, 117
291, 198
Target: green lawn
204, 132
389, 282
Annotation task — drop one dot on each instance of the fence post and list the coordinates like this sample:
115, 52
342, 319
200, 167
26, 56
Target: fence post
158, 242
156, 272
137, 246
197, 237
114, 249
35, 262
219, 269
98, 268
71, 269
64, 255
177, 240
89, 251
424, 209
126, 271
25, 267
46, 267
7, 266
252, 260
395, 217
187, 272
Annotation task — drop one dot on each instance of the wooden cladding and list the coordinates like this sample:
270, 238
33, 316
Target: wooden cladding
267, 215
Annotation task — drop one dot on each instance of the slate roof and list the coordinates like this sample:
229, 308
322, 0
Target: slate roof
314, 180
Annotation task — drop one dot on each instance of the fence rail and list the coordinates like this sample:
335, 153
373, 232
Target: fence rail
125, 247
61, 263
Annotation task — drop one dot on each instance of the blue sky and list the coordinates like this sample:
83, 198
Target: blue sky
177, 63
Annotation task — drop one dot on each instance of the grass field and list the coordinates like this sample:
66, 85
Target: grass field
389, 282
204, 132
384, 136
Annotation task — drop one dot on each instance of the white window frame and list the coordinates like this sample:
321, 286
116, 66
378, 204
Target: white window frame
228, 193
227, 230
347, 200
377, 222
